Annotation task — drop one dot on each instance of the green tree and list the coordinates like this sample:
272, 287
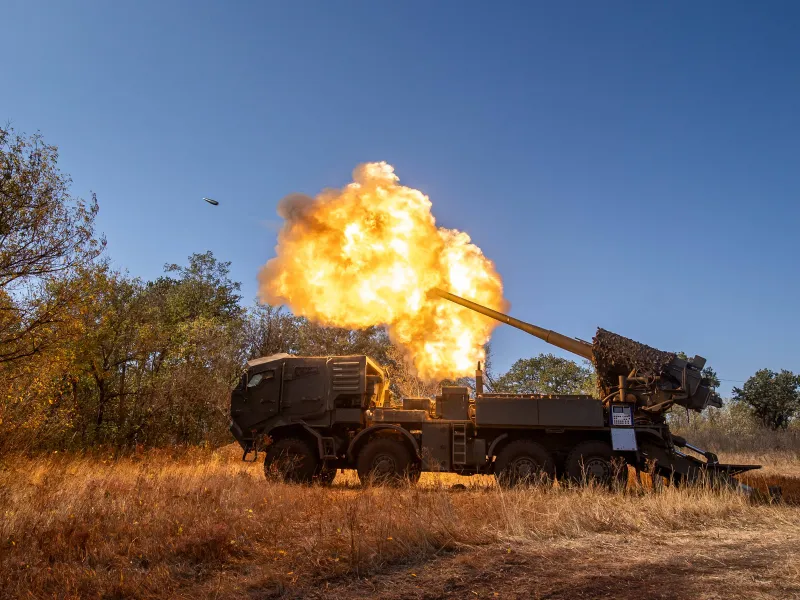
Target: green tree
273, 329
711, 375
206, 288
147, 363
195, 350
707, 372
46, 237
269, 330
546, 374
773, 398
317, 340
109, 348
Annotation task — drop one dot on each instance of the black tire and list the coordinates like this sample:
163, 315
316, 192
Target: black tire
523, 461
386, 461
292, 460
594, 462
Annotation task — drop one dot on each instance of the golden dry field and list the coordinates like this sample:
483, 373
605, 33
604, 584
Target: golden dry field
204, 525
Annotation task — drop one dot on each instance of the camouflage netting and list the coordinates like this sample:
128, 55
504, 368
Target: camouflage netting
615, 355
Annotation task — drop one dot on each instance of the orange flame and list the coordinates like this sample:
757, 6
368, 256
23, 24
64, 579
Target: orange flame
368, 254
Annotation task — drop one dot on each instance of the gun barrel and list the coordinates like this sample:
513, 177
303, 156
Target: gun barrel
551, 337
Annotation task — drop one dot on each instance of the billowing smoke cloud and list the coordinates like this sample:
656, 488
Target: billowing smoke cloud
368, 254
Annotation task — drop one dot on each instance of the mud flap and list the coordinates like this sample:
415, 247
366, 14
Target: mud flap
624, 439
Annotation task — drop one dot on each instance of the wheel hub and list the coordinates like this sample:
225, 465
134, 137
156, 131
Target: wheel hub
384, 465
597, 468
524, 467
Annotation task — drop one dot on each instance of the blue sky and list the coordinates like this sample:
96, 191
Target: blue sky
625, 164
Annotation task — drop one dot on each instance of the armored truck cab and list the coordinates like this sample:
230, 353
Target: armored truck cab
306, 394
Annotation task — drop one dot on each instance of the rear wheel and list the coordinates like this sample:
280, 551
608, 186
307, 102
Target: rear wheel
386, 461
523, 461
594, 462
292, 460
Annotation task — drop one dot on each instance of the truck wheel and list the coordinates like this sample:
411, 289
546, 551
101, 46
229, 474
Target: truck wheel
385, 461
292, 460
523, 461
594, 462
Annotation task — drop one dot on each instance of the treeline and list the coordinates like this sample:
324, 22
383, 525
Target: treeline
151, 363
91, 356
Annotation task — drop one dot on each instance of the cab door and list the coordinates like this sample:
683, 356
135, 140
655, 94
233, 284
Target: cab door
259, 399
305, 390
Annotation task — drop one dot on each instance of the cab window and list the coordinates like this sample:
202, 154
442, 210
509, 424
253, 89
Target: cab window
256, 379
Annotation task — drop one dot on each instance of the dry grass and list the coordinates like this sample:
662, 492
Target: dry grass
733, 429
776, 462
206, 525
779, 468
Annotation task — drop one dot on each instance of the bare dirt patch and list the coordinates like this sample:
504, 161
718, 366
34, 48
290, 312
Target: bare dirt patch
716, 563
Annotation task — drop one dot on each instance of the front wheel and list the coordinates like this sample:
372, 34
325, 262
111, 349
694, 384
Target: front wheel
292, 460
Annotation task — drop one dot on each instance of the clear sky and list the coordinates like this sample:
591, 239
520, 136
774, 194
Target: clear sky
625, 164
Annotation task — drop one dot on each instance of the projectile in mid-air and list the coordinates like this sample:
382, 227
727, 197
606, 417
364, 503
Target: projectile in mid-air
211, 201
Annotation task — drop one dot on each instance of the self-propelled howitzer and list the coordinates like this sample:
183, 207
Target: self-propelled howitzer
316, 414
